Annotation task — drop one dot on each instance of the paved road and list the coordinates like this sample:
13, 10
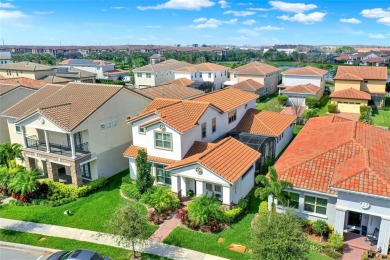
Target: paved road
7, 253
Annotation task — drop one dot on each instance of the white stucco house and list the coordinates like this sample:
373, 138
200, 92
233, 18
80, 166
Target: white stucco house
180, 139
340, 171
75, 132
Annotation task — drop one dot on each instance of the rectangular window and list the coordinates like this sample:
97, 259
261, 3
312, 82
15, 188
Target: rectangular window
204, 130
139, 74
209, 186
148, 75
200, 74
163, 176
214, 125
102, 127
218, 188
108, 125
18, 129
210, 75
232, 116
292, 200
235, 75
315, 205
86, 171
113, 123
141, 130
365, 81
163, 140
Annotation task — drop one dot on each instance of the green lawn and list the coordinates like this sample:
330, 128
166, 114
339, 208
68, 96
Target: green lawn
382, 117
68, 244
91, 212
324, 102
265, 105
239, 233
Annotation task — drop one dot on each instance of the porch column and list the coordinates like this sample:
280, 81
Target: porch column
183, 186
339, 221
75, 173
47, 141
24, 136
52, 171
175, 183
199, 188
226, 195
384, 236
72, 146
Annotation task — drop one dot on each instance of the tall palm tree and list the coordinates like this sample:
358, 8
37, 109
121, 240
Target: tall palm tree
272, 187
9, 152
24, 182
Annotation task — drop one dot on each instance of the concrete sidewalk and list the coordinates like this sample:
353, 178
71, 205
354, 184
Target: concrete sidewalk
150, 247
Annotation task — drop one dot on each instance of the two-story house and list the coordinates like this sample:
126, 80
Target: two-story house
75, 132
204, 72
340, 171
185, 144
355, 86
26, 69
265, 74
155, 74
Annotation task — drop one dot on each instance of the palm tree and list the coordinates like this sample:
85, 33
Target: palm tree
9, 152
24, 182
272, 187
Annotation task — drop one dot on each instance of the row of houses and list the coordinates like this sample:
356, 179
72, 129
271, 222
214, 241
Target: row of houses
371, 58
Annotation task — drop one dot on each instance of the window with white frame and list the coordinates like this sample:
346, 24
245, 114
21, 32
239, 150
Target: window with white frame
214, 125
292, 200
232, 116
139, 74
148, 75
102, 127
200, 74
217, 188
209, 186
315, 204
108, 125
18, 129
163, 140
204, 130
210, 75
141, 130
163, 176
113, 123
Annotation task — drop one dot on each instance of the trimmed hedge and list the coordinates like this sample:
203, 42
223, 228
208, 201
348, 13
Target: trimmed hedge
282, 99
263, 208
131, 191
332, 108
311, 102
365, 109
232, 215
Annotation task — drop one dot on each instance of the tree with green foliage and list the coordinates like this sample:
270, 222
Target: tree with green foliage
23, 182
271, 186
145, 180
130, 224
282, 99
9, 153
203, 209
311, 113
161, 199
366, 115
336, 241
320, 227
311, 102
345, 49
279, 236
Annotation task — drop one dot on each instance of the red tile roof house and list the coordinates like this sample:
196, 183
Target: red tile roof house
340, 170
185, 143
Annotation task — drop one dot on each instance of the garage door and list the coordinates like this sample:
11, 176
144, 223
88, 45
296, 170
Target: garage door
348, 108
296, 101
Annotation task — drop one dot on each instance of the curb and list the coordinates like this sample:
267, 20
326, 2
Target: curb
24, 247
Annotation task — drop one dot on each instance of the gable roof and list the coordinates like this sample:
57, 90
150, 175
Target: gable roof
361, 72
83, 62
66, 106
248, 85
351, 93
303, 71
264, 122
169, 90
302, 89
55, 80
132, 151
227, 99
25, 82
354, 156
25, 66
255, 68
5, 88
207, 66
228, 158
181, 81
163, 66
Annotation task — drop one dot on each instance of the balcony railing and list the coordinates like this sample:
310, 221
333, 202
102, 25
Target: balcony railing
60, 149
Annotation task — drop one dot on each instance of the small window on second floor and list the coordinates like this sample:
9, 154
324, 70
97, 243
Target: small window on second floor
365, 81
139, 74
214, 125
18, 129
204, 130
148, 75
210, 75
113, 123
200, 74
232, 116
142, 130
102, 127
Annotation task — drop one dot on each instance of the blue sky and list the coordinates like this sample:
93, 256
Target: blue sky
167, 22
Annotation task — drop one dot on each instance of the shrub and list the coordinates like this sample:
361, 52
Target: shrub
90, 187
282, 99
182, 214
161, 199
311, 102
203, 209
332, 108
320, 227
127, 179
366, 115
232, 215
243, 204
336, 241
331, 253
59, 190
365, 109
131, 191
263, 208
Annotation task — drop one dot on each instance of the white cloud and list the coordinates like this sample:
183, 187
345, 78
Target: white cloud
259, 9
152, 26
249, 22
269, 28
304, 18
350, 20
223, 4
248, 32
180, 4
239, 13
6, 5
382, 16
118, 7
292, 7
244, 4
210, 23
376, 36
43, 13
11, 15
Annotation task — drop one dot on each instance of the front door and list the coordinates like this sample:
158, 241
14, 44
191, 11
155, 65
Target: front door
354, 220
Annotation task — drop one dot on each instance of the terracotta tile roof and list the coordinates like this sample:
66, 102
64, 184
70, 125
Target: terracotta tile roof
302, 89
332, 152
248, 85
132, 151
203, 67
67, 106
379, 73
351, 93
228, 158
227, 99
169, 90
349, 76
255, 68
5, 88
167, 65
26, 82
181, 81
83, 62
116, 71
25, 66
308, 70
55, 80
264, 122
293, 111
343, 57
376, 59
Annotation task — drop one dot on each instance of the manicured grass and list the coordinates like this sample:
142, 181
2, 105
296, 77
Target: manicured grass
323, 108
239, 233
382, 117
91, 212
297, 129
265, 105
68, 244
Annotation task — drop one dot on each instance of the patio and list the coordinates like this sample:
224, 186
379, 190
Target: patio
355, 245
